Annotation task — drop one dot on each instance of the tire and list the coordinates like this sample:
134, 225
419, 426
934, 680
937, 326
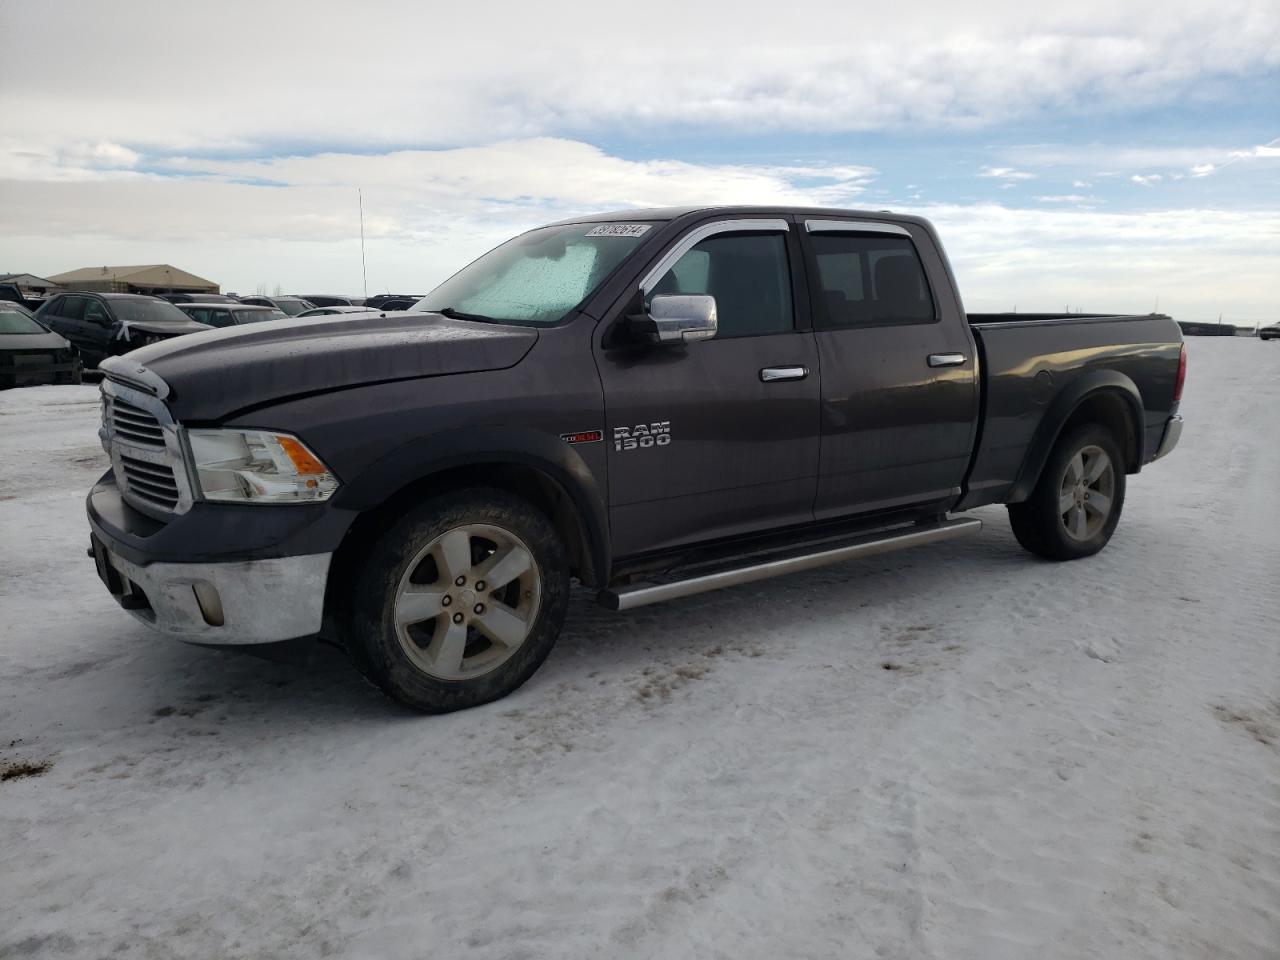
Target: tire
1061, 520
424, 625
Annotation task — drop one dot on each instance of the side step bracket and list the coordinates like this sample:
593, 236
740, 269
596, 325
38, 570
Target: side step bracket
641, 594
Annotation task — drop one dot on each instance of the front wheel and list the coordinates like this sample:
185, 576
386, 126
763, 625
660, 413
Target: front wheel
460, 602
1075, 506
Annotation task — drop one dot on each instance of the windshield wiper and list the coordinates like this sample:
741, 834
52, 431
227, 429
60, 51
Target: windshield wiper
453, 314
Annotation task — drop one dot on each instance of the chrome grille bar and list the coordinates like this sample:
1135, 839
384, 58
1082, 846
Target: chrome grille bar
146, 450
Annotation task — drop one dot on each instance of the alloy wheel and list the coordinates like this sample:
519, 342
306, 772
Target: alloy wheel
1087, 492
467, 601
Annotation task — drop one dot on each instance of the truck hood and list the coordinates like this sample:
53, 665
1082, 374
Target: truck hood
211, 375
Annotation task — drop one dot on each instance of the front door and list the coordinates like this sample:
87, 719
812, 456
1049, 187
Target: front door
899, 379
97, 326
716, 438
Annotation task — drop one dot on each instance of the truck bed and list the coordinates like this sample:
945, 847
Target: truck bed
1032, 363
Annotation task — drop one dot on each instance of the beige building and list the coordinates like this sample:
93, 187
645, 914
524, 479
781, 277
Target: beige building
155, 278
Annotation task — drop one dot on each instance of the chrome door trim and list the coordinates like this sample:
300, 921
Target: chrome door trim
774, 374
946, 359
697, 235
853, 226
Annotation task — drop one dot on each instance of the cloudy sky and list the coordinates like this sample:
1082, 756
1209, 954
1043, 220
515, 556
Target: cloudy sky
1106, 156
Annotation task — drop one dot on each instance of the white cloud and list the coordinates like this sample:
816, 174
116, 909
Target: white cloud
1113, 261
1199, 161
429, 212
1081, 184
1269, 151
1265, 151
1065, 198
1005, 173
327, 72
434, 208
1146, 180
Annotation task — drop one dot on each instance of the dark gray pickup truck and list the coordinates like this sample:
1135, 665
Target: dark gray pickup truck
655, 402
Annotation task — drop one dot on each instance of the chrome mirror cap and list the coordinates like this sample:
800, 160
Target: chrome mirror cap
682, 317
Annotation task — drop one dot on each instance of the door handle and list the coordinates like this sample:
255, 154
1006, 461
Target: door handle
946, 359
773, 374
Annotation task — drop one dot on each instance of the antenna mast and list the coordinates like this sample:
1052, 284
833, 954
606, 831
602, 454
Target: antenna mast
364, 271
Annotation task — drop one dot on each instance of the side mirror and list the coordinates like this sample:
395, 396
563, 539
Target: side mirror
681, 318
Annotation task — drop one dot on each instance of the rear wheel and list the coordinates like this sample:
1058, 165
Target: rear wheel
460, 602
1075, 506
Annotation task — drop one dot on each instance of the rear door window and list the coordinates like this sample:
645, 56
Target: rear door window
870, 279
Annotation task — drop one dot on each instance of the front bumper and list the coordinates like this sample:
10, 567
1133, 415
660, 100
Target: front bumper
29, 375
1172, 434
251, 601
218, 574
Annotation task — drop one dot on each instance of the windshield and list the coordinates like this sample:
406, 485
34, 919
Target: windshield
11, 321
292, 307
149, 311
254, 316
539, 276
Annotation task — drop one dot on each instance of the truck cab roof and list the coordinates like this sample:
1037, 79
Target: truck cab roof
690, 212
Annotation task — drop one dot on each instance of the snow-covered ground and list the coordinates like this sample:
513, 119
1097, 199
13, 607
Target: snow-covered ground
957, 752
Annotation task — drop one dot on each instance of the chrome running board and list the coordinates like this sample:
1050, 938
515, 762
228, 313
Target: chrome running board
641, 594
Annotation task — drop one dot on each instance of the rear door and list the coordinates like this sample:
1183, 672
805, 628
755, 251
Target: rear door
719, 437
899, 377
66, 316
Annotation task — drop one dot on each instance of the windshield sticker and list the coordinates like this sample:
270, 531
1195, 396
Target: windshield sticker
619, 230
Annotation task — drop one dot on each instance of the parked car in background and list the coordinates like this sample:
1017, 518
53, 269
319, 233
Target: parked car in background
329, 300
198, 298
230, 314
381, 300
101, 325
330, 311
1270, 333
290, 305
31, 353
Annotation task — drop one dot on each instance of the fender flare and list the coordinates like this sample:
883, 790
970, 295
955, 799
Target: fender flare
1060, 410
423, 457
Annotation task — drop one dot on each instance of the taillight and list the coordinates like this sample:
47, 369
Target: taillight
1182, 374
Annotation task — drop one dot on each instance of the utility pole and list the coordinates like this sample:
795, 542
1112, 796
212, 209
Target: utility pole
364, 271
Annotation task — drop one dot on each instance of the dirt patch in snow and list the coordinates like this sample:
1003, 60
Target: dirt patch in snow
1263, 725
17, 769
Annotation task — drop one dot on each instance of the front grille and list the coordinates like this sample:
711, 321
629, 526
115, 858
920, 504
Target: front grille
135, 425
141, 438
153, 483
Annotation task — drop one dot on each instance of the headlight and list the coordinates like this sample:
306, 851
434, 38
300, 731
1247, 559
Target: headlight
256, 466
